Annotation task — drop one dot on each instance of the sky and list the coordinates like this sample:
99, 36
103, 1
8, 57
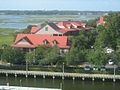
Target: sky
81, 5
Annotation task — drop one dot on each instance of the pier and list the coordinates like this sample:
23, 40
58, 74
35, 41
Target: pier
61, 75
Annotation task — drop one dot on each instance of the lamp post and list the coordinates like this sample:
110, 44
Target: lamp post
114, 70
63, 68
26, 67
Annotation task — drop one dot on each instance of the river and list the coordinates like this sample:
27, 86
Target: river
68, 84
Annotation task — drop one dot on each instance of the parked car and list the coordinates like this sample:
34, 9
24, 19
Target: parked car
102, 68
95, 68
87, 68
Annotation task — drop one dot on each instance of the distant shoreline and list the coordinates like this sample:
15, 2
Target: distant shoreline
52, 12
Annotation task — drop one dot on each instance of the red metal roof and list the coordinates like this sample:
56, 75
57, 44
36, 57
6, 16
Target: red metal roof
35, 40
66, 24
35, 28
67, 30
101, 20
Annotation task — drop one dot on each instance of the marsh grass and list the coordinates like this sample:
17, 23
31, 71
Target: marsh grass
6, 39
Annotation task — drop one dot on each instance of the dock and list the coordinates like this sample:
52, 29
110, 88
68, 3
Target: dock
61, 75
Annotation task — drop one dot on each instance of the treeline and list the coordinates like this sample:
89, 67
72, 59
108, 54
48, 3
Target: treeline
88, 46
51, 12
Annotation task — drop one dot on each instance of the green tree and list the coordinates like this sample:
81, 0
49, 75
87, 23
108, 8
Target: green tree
18, 56
30, 57
97, 57
76, 56
92, 23
40, 53
112, 25
1, 51
13, 55
8, 54
52, 56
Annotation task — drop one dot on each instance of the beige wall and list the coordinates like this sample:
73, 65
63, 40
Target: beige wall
23, 41
49, 31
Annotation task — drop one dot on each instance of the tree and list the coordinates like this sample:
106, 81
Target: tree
100, 40
112, 25
29, 57
28, 29
52, 56
97, 57
75, 56
13, 55
19, 57
40, 53
84, 40
1, 51
101, 27
8, 54
92, 23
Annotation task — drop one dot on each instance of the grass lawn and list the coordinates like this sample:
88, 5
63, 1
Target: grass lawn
6, 39
6, 35
7, 31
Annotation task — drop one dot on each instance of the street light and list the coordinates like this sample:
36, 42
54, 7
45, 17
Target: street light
63, 68
26, 67
114, 70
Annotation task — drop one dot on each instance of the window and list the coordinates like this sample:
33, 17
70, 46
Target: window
46, 28
55, 42
45, 42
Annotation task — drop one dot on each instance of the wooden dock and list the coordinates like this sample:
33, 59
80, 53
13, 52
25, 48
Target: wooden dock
62, 75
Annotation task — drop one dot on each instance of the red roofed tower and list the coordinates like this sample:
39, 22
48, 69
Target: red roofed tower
101, 21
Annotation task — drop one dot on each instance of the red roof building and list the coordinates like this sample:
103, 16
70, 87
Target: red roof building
35, 40
101, 21
35, 28
61, 28
71, 24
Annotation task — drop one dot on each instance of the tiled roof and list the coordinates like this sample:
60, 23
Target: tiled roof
35, 40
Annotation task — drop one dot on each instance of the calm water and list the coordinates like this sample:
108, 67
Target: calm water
67, 84
22, 21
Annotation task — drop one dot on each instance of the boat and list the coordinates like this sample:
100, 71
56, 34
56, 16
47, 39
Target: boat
2, 87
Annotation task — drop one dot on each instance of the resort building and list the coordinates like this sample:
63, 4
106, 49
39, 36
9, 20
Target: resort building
51, 34
65, 28
31, 41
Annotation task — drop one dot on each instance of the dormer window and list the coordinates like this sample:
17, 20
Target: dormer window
55, 42
46, 28
45, 42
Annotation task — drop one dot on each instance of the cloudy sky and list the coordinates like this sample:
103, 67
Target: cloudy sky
81, 5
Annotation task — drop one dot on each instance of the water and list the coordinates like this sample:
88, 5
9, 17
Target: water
68, 84
22, 21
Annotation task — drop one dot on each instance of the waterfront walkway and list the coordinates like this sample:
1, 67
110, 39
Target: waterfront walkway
62, 75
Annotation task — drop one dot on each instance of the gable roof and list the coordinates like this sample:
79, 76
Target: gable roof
38, 39
67, 24
35, 28
54, 26
26, 38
